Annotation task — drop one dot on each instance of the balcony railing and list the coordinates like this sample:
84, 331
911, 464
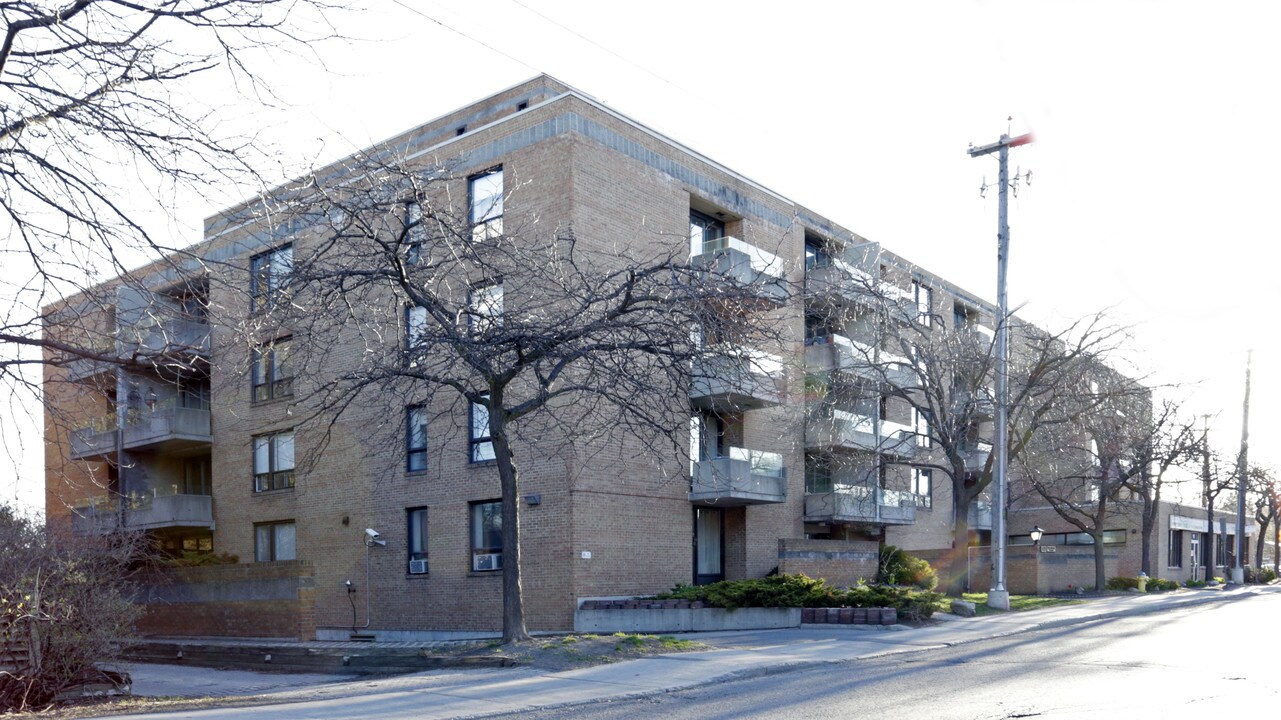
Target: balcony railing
979, 516
741, 477
173, 424
976, 457
848, 282
745, 264
842, 354
149, 511
735, 377
845, 430
167, 335
861, 504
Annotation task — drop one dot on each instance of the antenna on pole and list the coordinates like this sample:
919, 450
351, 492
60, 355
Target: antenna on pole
999, 596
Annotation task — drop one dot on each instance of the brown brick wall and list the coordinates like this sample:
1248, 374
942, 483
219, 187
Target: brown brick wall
241, 600
840, 562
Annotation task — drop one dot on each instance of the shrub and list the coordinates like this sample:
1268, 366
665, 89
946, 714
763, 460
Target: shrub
65, 597
1194, 583
1159, 585
802, 591
1266, 575
1122, 583
898, 568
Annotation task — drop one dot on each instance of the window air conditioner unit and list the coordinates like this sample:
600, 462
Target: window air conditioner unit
417, 567
492, 561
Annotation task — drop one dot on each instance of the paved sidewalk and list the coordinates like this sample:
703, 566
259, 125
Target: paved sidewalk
469, 693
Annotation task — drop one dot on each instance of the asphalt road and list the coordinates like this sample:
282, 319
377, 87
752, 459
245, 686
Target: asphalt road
1208, 661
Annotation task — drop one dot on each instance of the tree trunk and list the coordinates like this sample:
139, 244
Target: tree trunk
1210, 556
957, 573
1149, 521
1258, 542
1276, 546
513, 596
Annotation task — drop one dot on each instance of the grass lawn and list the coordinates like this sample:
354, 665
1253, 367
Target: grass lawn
1018, 603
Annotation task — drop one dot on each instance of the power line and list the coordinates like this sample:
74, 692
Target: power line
586, 39
465, 35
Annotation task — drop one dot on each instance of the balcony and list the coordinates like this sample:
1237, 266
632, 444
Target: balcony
733, 378
745, 264
167, 430
982, 406
837, 353
742, 477
976, 457
845, 282
842, 430
174, 336
151, 511
979, 516
89, 370
861, 504
96, 441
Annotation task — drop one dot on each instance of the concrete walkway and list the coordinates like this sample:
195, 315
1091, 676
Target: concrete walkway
466, 693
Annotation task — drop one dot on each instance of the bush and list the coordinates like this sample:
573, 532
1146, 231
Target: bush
1266, 575
1194, 583
802, 591
898, 568
1129, 583
1122, 583
67, 599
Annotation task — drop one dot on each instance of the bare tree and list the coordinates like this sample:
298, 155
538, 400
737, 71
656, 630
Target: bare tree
96, 137
1083, 464
65, 601
1168, 442
530, 336
1263, 491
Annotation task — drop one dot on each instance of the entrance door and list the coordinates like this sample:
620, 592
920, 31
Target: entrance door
709, 545
1196, 556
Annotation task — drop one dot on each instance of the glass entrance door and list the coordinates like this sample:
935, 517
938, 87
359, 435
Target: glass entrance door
709, 545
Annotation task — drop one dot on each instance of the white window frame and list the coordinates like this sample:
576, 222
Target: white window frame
485, 203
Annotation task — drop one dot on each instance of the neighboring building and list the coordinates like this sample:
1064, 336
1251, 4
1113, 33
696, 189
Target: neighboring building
801, 464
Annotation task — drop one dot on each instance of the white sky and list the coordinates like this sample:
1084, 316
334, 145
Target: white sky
1154, 178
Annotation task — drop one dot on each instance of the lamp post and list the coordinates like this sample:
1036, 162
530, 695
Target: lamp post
1036, 534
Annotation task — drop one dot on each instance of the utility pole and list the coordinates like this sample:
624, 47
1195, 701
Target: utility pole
1238, 570
999, 596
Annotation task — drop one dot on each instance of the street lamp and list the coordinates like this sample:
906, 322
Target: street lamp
1036, 534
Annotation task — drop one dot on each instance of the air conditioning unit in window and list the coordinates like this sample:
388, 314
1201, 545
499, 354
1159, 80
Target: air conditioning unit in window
492, 561
417, 567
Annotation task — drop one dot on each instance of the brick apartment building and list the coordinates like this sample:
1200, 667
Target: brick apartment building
206, 451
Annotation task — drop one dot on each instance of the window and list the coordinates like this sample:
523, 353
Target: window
416, 438
923, 487
415, 233
924, 303
816, 255
275, 541
921, 426
415, 329
485, 195
274, 461
1175, 553
273, 373
818, 475
196, 476
268, 278
485, 309
487, 536
704, 232
482, 446
417, 536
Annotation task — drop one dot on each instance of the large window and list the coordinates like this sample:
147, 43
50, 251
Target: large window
704, 233
275, 541
923, 487
415, 327
482, 445
924, 303
273, 374
485, 195
487, 536
415, 233
416, 438
417, 537
1175, 554
274, 461
485, 309
268, 278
